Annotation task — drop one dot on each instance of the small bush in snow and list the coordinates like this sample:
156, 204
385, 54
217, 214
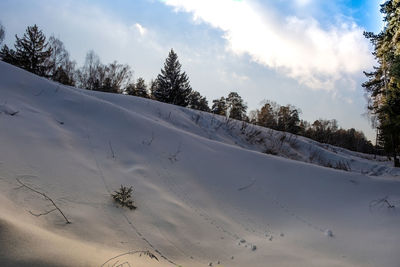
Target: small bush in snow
124, 197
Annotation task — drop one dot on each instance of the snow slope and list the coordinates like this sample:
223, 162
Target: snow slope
206, 194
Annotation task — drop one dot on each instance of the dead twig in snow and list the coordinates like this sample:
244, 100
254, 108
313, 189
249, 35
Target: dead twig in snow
149, 142
41, 214
173, 157
111, 149
40, 92
247, 186
381, 202
11, 113
140, 252
46, 198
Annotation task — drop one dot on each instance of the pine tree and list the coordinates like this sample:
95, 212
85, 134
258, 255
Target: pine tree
237, 108
32, 51
8, 55
64, 75
172, 86
293, 125
383, 85
219, 106
141, 88
153, 88
138, 89
124, 197
288, 119
197, 101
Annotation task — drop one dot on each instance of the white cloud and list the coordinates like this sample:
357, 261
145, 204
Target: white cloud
231, 76
300, 48
239, 77
142, 30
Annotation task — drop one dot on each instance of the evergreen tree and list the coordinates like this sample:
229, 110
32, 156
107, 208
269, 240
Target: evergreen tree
219, 106
32, 51
197, 101
383, 85
288, 119
293, 125
141, 88
153, 88
172, 86
283, 118
8, 55
138, 89
236, 107
64, 75
130, 89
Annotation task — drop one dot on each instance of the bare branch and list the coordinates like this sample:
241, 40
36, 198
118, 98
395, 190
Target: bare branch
39, 93
11, 113
381, 202
173, 157
149, 142
247, 186
140, 252
122, 264
112, 150
46, 198
41, 214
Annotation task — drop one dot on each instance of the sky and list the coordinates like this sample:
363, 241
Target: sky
307, 53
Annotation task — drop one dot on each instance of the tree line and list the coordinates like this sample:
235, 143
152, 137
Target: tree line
49, 58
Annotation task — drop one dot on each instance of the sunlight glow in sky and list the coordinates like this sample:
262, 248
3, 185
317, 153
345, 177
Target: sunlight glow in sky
299, 47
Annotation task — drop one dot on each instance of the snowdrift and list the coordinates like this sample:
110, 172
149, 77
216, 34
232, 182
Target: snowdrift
206, 191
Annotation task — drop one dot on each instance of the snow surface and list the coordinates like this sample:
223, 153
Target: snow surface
206, 193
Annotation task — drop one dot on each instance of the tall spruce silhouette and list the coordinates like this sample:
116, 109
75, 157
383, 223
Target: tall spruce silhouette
172, 85
32, 51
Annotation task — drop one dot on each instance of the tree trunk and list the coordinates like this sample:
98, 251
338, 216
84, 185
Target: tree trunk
395, 159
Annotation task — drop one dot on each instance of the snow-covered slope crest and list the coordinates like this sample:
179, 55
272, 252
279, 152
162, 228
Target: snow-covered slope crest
204, 191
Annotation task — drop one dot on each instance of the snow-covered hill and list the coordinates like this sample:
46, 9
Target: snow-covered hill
206, 192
